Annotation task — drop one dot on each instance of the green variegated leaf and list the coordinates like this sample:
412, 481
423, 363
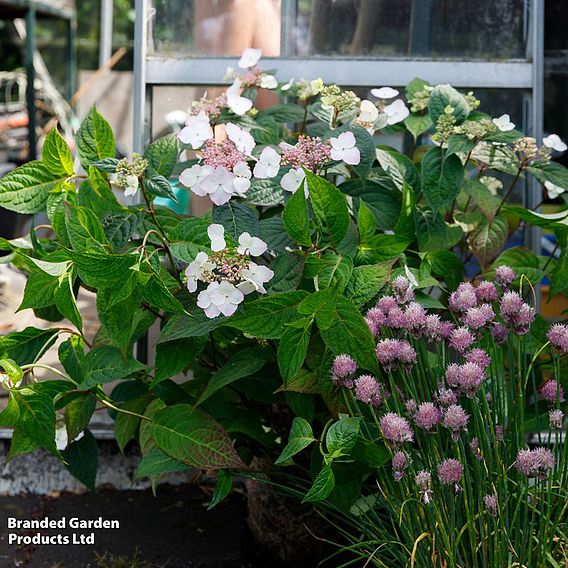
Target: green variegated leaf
95, 140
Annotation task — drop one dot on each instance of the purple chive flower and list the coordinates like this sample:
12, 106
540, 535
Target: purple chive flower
402, 290
555, 419
411, 406
558, 336
515, 313
450, 472
490, 502
396, 319
400, 461
395, 428
486, 292
427, 416
461, 338
392, 352
447, 328
433, 327
466, 378
499, 433
474, 446
386, 304
500, 333
479, 317
375, 318
535, 463
524, 319
478, 357
504, 275
343, 366
455, 419
463, 298
552, 391
415, 317
446, 397
368, 390
424, 481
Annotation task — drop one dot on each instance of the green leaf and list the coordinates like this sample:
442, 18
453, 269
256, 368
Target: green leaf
367, 281
497, 157
96, 194
82, 460
95, 140
175, 356
417, 124
382, 248
552, 171
72, 357
370, 453
349, 333
329, 205
243, 364
293, 348
78, 414
285, 113
482, 197
162, 155
193, 437
121, 229
106, 364
330, 270
488, 241
323, 485
288, 269
522, 261
222, 488
25, 189
432, 232
51, 268
366, 145
301, 436
265, 192
342, 435
398, 167
445, 264
126, 425
405, 226
237, 218
460, 144
24, 346
55, 154
443, 96
103, 270
190, 325
106, 165
158, 185
12, 369
441, 178
273, 233
366, 223
559, 276
296, 219
320, 305
267, 317
39, 291
156, 294
157, 463
66, 302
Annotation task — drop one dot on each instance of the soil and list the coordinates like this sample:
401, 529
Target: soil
171, 530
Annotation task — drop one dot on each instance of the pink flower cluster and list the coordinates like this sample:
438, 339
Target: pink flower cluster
222, 154
309, 152
343, 370
368, 390
396, 429
455, 420
535, 463
552, 391
466, 379
558, 336
450, 472
515, 313
393, 353
400, 461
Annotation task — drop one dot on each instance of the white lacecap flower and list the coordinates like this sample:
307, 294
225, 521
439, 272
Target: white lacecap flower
344, 148
192, 178
255, 276
239, 105
196, 131
268, 81
241, 138
368, 112
396, 112
250, 57
268, 164
553, 190
241, 182
292, 180
554, 142
220, 298
219, 185
503, 123
196, 269
216, 233
288, 85
251, 245
384, 93
131, 185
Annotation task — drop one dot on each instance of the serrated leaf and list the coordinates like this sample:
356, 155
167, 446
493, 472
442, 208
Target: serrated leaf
301, 436
237, 218
443, 96
26, 189
330, 270
342, 435
190, 325
39, 291
265, 192
95, 139
173, 357
417, 124
162, 155
293, 348
103, 270
66, 302
55, 154
193, 437
489, 239
367, 281
157, 462
24, 346
288, 269
106, 364
398, 167
322, 487
222, 488
296, 219
442, 176
158, 185
82, 460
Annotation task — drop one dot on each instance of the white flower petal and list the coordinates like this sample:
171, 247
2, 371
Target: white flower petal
396, 112
503, 123
554, 142
268, 81
291, 180
351, 156
241, 138
216, 233
384, 93
368, 112
553, 190
249, 58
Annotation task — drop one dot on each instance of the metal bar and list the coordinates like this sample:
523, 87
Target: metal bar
105, 45
420, 27
71, 57
533, 196
140, 44
287, 21
513, 74
30, 86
